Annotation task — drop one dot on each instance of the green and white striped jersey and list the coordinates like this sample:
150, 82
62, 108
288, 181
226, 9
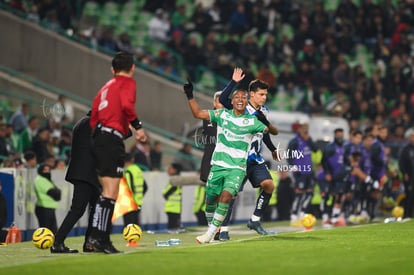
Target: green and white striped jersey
234, 135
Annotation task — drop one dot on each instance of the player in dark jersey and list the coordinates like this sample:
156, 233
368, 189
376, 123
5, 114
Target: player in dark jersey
113, 113
335, 170
300, 150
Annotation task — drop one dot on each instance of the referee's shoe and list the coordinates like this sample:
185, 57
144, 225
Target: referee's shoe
98, 246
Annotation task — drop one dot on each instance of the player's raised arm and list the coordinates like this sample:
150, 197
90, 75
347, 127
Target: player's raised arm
224, 98
194, 107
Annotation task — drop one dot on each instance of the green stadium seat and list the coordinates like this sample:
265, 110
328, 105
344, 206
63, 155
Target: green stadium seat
91, 9
331, 5
208, 80
288, 31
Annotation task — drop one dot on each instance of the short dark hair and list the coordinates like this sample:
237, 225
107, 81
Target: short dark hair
29, 155
129, 157
257, 84
122, 61
338, 130
356, 132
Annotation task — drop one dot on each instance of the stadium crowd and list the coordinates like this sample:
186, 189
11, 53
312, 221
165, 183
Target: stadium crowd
354, 60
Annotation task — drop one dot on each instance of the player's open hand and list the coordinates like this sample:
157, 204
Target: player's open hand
238, 74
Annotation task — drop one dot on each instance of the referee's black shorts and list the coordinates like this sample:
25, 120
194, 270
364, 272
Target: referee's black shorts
109, 151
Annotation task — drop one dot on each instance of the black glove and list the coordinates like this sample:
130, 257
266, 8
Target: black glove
188, 89
261, 117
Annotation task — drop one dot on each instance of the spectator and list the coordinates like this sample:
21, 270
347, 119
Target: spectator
173, 200
12, 140
238, 20
48, 197
193, 55
215, 15
176, 43
40, 144
27, 135
159, 27
323, 77
63, 111
185, 158
156, 156
257, 21
123, 44
19, 119
211, 56
3, 216
202, 20
249, 50
4, 153
30, 159
266, 75
107, 41
287, 78
179, 18
142, 155
269, 51
341, 77
138, 187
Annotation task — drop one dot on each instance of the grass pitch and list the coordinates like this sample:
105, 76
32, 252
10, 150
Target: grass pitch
366, 249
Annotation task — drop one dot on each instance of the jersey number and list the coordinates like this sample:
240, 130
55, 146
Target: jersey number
104, 102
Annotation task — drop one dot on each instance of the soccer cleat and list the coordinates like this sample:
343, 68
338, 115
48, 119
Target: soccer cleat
94, 245
205, 238
224, 236
61, 248
217, 236
256, 226
108, 248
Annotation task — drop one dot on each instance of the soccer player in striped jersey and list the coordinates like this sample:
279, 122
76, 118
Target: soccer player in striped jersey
234, 135
257, 171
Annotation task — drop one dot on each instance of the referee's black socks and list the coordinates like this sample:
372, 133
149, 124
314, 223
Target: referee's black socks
101, 223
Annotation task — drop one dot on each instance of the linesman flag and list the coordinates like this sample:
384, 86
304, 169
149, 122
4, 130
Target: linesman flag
124, 202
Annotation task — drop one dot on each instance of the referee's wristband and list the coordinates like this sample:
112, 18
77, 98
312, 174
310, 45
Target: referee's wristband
136, 123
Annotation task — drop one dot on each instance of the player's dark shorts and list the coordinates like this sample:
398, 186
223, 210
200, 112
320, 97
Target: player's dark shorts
351, 187
303, 181
324, 187
339, 187
256, 173
109, 151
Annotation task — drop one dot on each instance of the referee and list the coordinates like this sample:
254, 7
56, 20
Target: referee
113, 112
82, 174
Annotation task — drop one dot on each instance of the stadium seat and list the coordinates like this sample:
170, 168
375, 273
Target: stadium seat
288, 31
198, 37
91, 9
139, 38
208, 80
331, 5
143, 18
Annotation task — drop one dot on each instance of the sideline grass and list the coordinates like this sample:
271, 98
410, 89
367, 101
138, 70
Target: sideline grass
369, 249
